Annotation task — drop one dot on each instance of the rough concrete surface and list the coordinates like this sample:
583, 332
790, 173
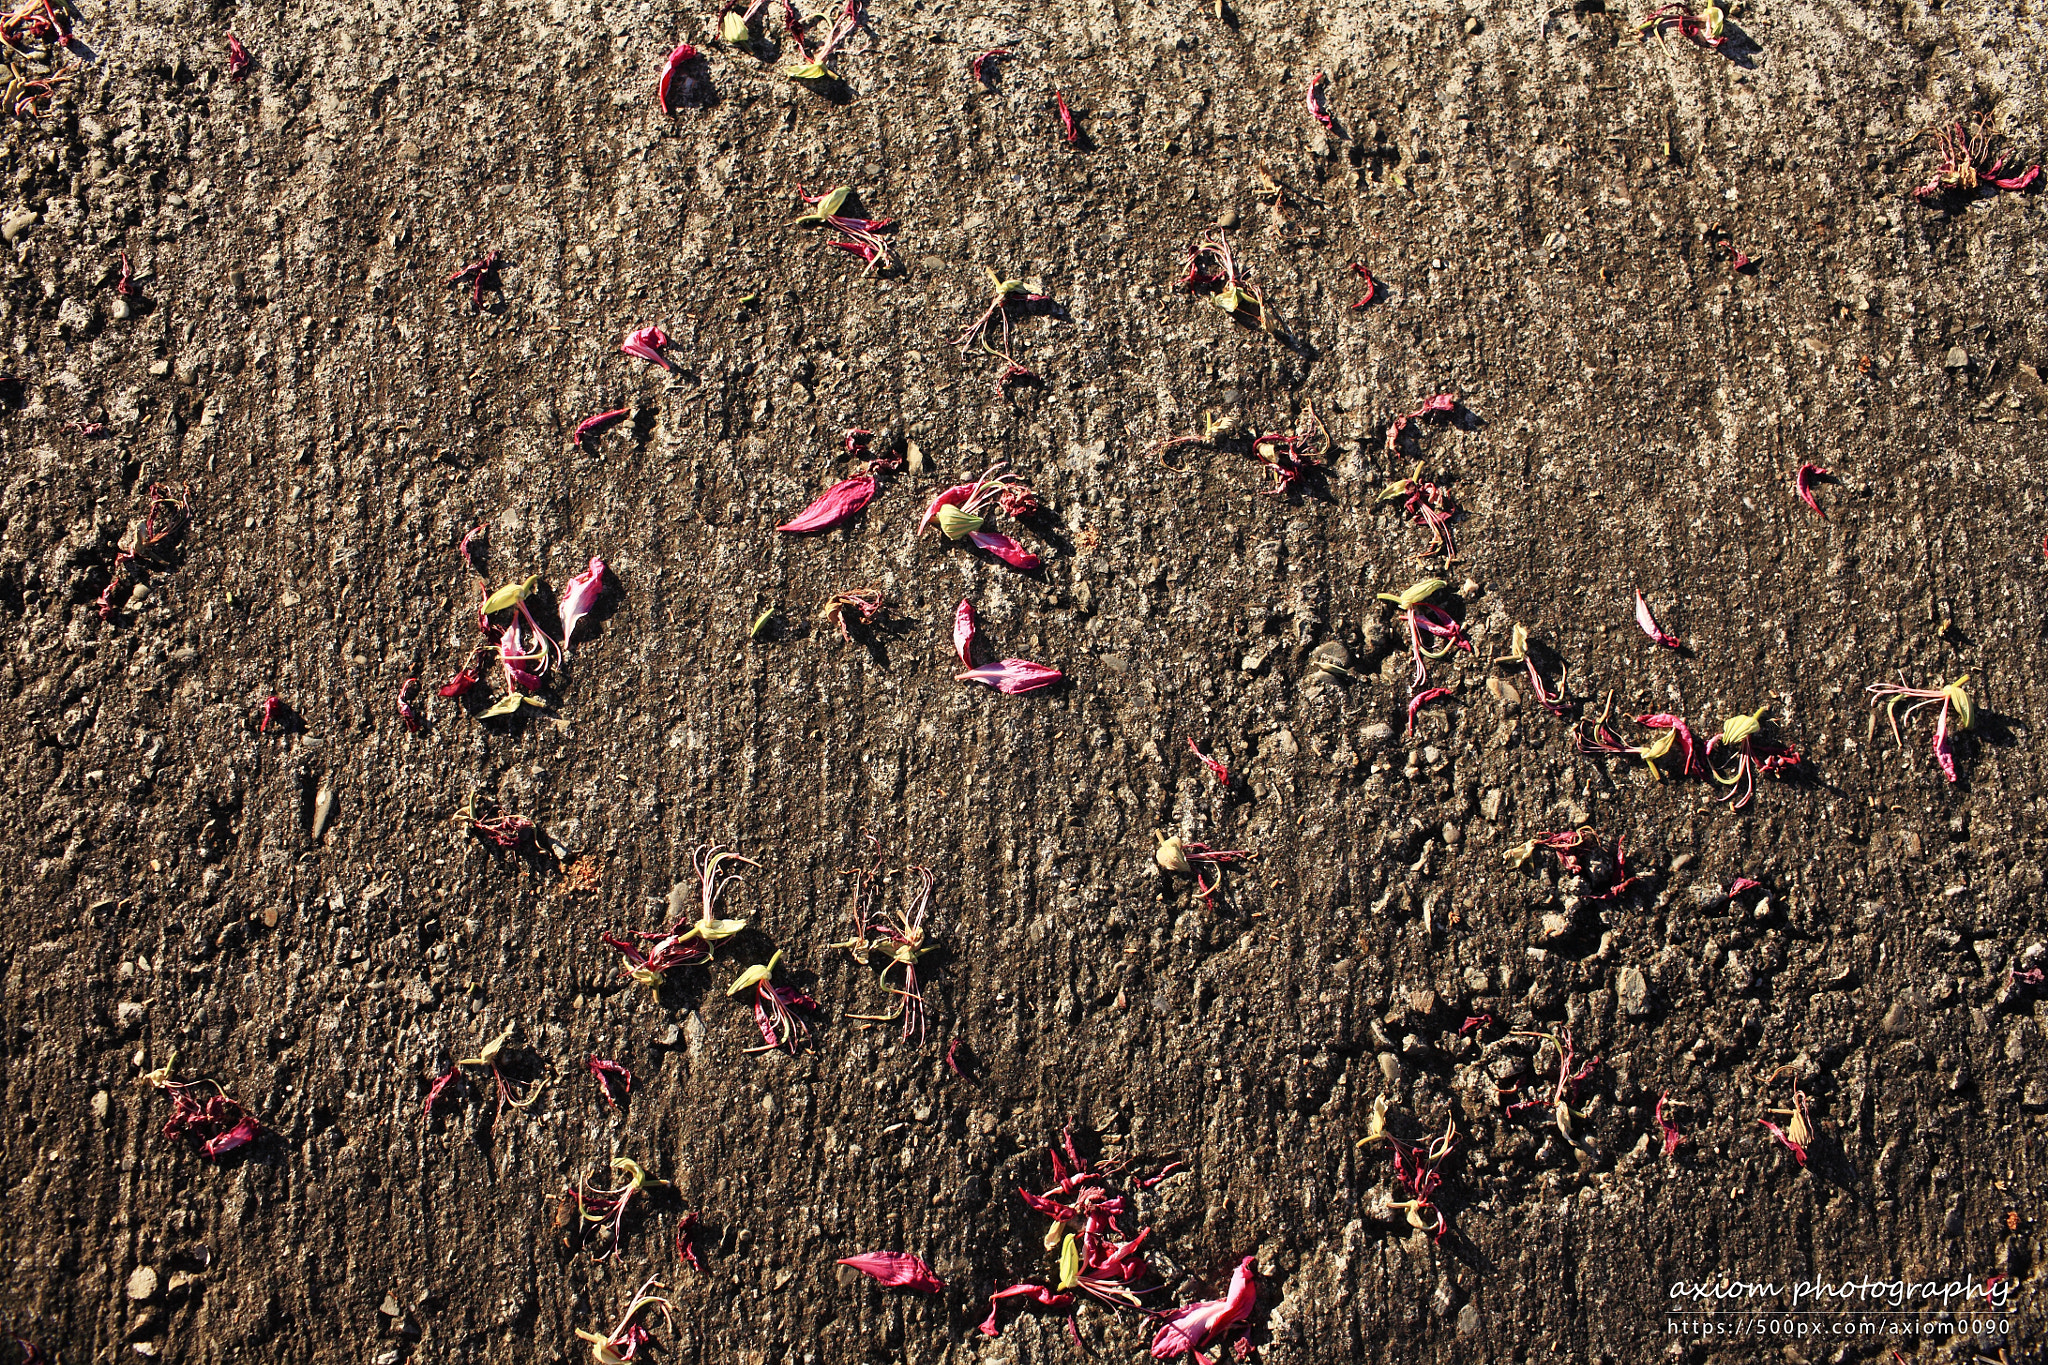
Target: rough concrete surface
1539, 195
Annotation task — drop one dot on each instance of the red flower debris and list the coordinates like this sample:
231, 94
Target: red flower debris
854, 606
273, 710
604, 1211
1073, 134
466, 547
1566, 1088
629, 1336
847, 497
502, 830
168, 517
775, 1007
1523, 651
1576, 850
406, 712
1216, 768
489, 1056
1689, 765
861, 236
1672, 1137
1741, 738
686, 1244
1428, 505
124, 283
1095, 1256
34, 21
1012, 677
1005, 549
1650, 627
1211, 272
1803, 483
977, 66
1008, 294
1418, 1169
480, 272
217, 1122
677, 59
963, 512
686, 942
897, 1269
1181, 857
1422, 699
608, 1074
1315, 104
1593, 736
580, 596
1962, 169
1708, 30
592, 425
1372, 286
646, 343
1421, 618
1955, 705
1797, 1135
1286, 457
898, 946
953, 1058
451, 1077
965, 632
238, 59
1442, 406
1199, 1326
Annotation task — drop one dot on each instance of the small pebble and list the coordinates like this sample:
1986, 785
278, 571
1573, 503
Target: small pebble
142, 1283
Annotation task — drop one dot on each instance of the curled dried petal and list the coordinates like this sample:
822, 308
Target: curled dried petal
897, 1269
964, 632
1012, 676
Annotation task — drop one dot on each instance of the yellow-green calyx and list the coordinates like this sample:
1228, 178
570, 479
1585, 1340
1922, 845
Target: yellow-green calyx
1716, 21
1169, 855
1966, 714
1415, 594
490, 1052
734, 29
830, 205
1657, 749
1070, 1263
1518, 646
754, 975
511, 595
1736, 729
955, 523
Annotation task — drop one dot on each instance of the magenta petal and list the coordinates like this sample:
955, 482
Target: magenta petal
1012, 676
1005, 549
646, 344
896, 1268
1045, 1298
964, 632
2018, 182
579, 595
955, 496
241, 1135
838, 502
1944, 754
1650, 626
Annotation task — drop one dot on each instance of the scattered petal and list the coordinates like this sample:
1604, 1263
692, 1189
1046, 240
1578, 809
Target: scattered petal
1012, 676
1005, 549
1650, 627
835, 505
646, 344
964, 632
897, 1269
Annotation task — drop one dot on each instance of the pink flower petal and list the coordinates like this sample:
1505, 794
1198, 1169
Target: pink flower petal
1005, 549
835, 505
964, 632
1195, 1326
241, 1135
896, 1269
579, 595
1012, 676
646, 344
955, 496
1650, 626
1044, 1297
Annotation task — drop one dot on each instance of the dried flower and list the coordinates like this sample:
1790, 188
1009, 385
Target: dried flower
629, 1336
273, 711
897, 1269
1197, 1326
1741, 737
1216, 768
466, 546
1594, 737
646, 344
1797, 1135
1286, 456
238, 59
501, 830
1803, 482
406, 712
1962, 169
853, 606
488, 1056
1565, 1091
1095, 1256
686, 1245
1708, 30
1523, 652
452, 1076
964, 509
977, 65
1650, 626
592, 425
1222, 284
834, 505
607, 1074
1422, 699
1073, 134
1177, 855
166, 519
1372, 286
774, 1007
1428, 505
1681, 733
686, 942
479, 272
1012, 677
124, 283
900, 944
683, 53
1672, 1137
1005, 549
606, 1210
964, 632
861, 236
1008, 294
579, 595
1441, 405
219, 1123
1415, 611
1950, 697
1418, 1169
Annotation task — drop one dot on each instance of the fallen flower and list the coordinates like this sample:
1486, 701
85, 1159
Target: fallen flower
1012, 677
976, 66
1073, 134
1286, 457
1216, 769
964, 632
1524, 653
629, 1336
646, 344
219, 1123
1681, 732
966, 508
686, 1245
501, 830
1707, 30
1044, 1297
1741, 736
1672, 1137
683, 53
773, 1014
834, 505
1566, 1089
477, 271
591, 425
1008, 294
1593, 736
1197, 1326
465, 547
853, 606
862, 235
1420, 618
238, 59
953, 1058
607, 1209
1178, 855
406, 712
452, 1076
488, 1056
458, 685
1315, 105
1429, 505
1422, 699
900, 944
273, 708
1950, 697
1962, 169
1372, 286
150, 541
1797, 1135
897, 1269
685, 943
1224, 287
1005, 549
607, 1074
1441, 405
1803, 482
124, 283
1650, 626
579, 595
